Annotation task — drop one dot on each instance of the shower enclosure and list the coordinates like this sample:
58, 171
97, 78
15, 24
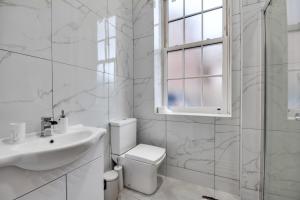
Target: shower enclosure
282, 100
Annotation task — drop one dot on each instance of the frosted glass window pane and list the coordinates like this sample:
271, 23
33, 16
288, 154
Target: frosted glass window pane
212, 91
193, 65
208, 4
213, 59
294, 89
175, 93
175, 61
176, 33
193, 6
193, 92
175, 9
193, 29
212, 24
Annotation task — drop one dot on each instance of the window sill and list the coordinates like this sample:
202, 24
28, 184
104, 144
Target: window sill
169, 112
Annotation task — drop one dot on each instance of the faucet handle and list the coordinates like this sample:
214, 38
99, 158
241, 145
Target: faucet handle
53, 122
46, 119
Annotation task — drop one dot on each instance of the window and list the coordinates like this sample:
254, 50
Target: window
195, 70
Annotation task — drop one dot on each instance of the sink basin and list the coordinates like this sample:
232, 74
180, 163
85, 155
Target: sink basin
44, 153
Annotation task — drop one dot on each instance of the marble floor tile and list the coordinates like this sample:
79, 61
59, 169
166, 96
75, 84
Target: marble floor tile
173, 189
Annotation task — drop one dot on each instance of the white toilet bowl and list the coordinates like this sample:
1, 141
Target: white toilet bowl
140, 167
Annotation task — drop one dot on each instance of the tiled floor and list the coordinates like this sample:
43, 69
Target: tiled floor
173, 189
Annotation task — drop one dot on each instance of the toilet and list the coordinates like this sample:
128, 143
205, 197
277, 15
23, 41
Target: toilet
140, 162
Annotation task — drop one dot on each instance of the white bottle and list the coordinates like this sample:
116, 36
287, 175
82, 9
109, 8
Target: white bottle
63, 122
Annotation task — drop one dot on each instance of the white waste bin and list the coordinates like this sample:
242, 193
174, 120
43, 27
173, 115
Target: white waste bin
111, 185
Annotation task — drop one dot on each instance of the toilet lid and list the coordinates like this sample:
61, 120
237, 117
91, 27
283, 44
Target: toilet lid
146, 153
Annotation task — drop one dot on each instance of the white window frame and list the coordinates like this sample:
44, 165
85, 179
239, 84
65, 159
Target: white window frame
225, 110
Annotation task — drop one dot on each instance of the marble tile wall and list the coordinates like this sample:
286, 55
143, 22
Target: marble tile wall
75, 55
200, 150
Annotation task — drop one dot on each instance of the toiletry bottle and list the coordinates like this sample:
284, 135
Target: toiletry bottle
63, 122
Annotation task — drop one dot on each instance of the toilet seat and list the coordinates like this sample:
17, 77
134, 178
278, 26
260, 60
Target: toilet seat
146, 154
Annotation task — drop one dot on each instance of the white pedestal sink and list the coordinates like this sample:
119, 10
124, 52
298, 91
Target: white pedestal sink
45, 153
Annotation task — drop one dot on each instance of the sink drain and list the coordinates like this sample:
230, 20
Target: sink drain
51, 141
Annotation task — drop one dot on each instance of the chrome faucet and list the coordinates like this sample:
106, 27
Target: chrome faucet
47, 124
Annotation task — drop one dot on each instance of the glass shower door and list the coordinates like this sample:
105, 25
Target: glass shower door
282, 116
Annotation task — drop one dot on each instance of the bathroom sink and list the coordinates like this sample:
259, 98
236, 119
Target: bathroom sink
45, 153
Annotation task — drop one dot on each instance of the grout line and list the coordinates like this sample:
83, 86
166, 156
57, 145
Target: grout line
166, 143
188, 122
15, 52
67, 64
52, 64
207, 173
133, 65
241, 94
214, 161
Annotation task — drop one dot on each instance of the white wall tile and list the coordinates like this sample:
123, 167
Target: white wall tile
97, 6
120, 97
236, 42
144, 57
198, 178
143, 15
225, 185
250, 2
122, 10
249, 194
152, 132
252, 98
122, 46
26, 27
227, 151
82, 94
25, 91
283, 164
236, 6
144, 99
74, 33
251, 157
251, 34
191, 146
